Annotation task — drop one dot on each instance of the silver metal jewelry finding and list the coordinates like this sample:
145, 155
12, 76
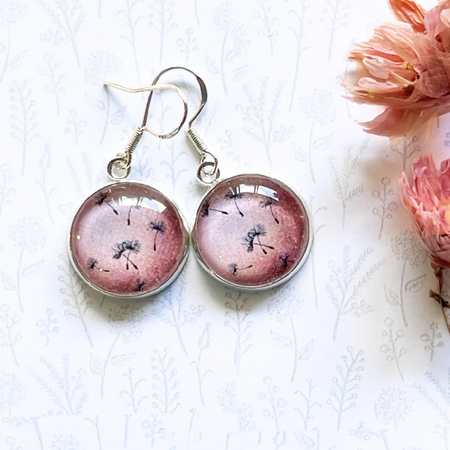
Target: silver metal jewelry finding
208, 171
119, 167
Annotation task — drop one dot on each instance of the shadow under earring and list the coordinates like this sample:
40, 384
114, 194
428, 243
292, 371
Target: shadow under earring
127, 239
251, 231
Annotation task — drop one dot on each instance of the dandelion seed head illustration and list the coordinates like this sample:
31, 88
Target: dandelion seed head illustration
66, 442
28, 234
407, 247
318, 106
11, 11
126, 321
101, 66
392, 406
12, 390
284, 303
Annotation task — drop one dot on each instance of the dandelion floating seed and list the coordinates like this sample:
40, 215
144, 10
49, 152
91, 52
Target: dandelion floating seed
102, 196
267, 203
284, 260
234, 268
92, 264
137, 206
207, 208
256, 233
139, 285
234, 196
133, 246
159, 227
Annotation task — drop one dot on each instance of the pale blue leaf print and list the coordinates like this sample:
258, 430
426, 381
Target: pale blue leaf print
280, 340
117, 117
93, 103
239, 74
17, 60
33, 270
95, 365
416, 284
8, 282
212, 66
323, 143
391, 296
299, 153
306, 352
122, 360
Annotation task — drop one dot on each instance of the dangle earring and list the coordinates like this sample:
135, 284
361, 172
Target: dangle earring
127, 239
251, 231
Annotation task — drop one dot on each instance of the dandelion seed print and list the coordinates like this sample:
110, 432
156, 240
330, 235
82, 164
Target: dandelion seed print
285, 261
235, 196
159, 228
133, 246
268, 203
139, 285
234, 268
255, 234
102, 196
206, 209
137, 206
92, 263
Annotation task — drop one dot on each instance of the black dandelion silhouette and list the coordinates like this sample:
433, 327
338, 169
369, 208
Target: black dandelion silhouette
268, 203
255, 234
121, 249
139, 285
235, 196
102, 196
284, 260
234, 268
137, 206
206, 208
159, 228
93, 264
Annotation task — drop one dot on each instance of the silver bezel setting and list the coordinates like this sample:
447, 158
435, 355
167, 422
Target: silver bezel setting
136, 295
284, 278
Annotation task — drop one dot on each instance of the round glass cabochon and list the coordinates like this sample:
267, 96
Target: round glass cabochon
251, 231
128, 239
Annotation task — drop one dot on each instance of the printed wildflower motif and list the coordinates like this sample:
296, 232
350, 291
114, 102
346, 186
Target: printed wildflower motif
159, 227
102, 196
405, 67
235, 196
133, 246
256, 233
234, 268
206, 208
267, 203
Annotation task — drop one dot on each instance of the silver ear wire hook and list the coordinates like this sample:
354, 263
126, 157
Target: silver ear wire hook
120, 167
207, 159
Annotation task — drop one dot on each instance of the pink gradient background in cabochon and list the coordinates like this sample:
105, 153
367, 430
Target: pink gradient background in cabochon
96, 229
220, 238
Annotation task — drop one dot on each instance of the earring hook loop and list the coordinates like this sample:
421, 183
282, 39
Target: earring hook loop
151, 89
119, 168
208, 172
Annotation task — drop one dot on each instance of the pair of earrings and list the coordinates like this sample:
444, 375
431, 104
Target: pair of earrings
129, 240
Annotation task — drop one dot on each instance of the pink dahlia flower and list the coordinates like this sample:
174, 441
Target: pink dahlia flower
427, 201
405, 67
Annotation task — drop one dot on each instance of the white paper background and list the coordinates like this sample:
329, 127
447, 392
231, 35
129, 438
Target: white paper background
328, 361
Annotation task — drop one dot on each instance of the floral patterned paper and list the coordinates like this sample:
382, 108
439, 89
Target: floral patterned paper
350, 354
